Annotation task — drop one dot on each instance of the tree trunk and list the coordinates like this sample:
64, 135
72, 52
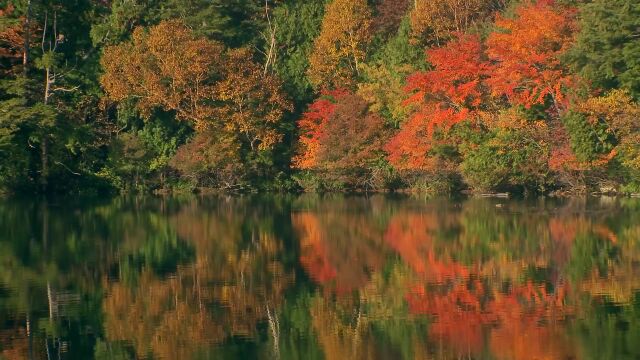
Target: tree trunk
27, 39
44, 146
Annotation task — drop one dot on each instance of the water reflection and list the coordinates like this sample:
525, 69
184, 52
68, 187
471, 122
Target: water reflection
320, 277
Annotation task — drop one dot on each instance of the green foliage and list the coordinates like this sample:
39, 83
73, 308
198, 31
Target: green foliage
236, 23
398, 52
297, 24
607, 49
509, 158
588, 141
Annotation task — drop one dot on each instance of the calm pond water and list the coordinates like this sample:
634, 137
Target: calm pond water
311, 277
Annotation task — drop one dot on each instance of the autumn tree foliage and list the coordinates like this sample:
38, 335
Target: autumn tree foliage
448, 94
165, 67
11, 39
470, 300
234, 106
210, 159
340, 49
342, 139
477, 83
618, 113
525, 52
439, 20
236, 74
168, 68
252, 103
339, 250
227, 291
312, 125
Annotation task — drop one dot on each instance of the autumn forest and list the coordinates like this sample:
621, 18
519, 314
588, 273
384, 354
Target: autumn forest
525, 96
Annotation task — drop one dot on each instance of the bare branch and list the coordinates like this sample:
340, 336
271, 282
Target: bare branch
65, 89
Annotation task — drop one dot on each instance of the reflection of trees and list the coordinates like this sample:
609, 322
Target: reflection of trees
371, 324
234, 283
195, 278
529, 341
47, 260
14, 344
507, 279
502, 275
162, 317
339, 249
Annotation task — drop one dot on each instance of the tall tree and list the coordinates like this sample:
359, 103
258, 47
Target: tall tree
607, 47
526, 52
225, 95
253, 104
297, 24
341, 47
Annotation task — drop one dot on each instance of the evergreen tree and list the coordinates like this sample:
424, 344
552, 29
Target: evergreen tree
607, 49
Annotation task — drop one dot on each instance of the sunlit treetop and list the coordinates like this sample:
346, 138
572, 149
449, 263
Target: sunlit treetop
341, 47
525, 51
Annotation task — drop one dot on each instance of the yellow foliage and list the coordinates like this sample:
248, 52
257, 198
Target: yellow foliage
340, 48
165, 67
384, 91
442, 18
620, 113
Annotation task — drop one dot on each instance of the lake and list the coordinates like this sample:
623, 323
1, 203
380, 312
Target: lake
315, 277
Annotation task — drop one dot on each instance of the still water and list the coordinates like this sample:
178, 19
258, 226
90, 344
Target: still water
316, 277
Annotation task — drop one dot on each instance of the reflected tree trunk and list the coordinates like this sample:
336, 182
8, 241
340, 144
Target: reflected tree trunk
274, 326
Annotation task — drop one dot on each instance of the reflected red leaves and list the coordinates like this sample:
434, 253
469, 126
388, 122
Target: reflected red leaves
339, 251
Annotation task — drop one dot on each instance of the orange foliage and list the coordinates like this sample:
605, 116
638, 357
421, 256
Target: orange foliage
166, 67
339, 251
458, 68
313, 253
445, 96
410, 236
522, 63
409, 148
252, 103
525, 53
463, 307
562, 157
11, 38
339, 136
466, 301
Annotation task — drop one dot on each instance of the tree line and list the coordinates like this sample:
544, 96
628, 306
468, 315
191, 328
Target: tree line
320, 95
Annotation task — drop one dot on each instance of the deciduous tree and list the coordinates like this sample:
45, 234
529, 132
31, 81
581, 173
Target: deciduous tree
448, 94
165, 68
252, 102
436, 21
342, 140
525, 51
341, 47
